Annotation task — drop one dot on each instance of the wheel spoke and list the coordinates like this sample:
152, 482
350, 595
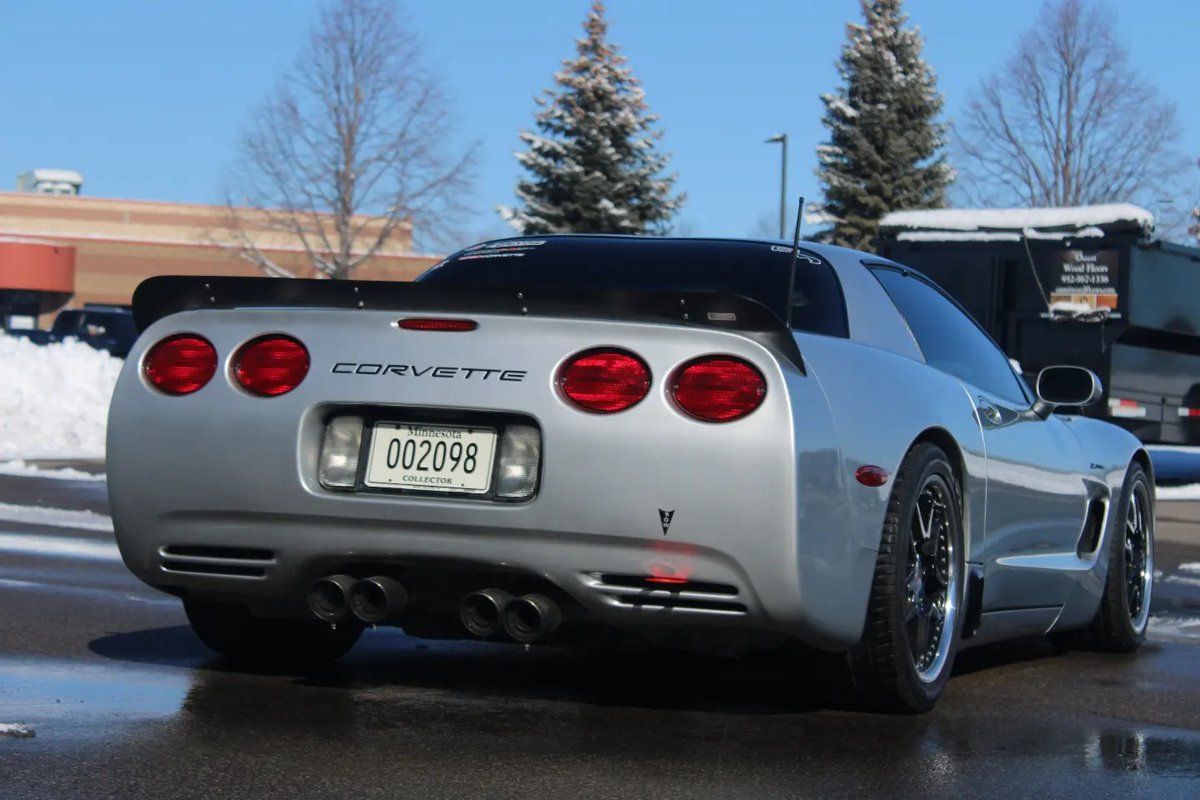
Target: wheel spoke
921, 640
931, 578
1137, 555
937, 610
922, 526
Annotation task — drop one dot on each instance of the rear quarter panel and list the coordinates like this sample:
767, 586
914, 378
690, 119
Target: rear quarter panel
881, 403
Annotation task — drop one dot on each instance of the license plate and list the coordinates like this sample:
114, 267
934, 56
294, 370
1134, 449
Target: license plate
431, 458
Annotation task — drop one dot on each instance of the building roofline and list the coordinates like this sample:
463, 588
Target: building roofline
56, 238
164, 204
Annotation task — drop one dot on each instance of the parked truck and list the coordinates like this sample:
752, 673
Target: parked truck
1087, 286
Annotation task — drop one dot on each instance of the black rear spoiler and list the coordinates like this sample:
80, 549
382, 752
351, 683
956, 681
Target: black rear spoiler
162, 296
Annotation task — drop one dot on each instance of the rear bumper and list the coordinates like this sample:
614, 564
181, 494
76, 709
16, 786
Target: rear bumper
269, 561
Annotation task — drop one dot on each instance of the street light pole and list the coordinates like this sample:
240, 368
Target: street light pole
782, 139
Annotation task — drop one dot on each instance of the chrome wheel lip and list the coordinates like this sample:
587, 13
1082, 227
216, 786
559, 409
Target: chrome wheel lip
1138, 534
936, 491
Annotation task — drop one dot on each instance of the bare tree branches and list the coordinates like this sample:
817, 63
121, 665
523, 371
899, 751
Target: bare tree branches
350, 149
1069, 121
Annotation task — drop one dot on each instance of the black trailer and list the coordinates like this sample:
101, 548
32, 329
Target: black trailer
1086, 286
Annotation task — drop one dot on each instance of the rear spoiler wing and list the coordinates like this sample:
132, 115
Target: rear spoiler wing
162, 296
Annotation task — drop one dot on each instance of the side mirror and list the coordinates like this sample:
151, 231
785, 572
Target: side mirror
1066, 386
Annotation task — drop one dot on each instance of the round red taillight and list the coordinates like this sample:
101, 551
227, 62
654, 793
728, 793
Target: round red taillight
604, 381
271, 365
180, 364
718, 388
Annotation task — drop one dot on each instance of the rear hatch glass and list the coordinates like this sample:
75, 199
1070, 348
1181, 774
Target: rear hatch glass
759, 271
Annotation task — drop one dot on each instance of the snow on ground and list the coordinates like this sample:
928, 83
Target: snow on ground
16, 731
23, 470
1189, 491
58, 547
54, 399
55, 517
1175, 627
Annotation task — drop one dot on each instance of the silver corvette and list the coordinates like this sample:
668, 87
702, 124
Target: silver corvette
586, 438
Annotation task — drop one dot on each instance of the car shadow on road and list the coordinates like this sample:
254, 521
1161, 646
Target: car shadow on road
756, 682
764, 682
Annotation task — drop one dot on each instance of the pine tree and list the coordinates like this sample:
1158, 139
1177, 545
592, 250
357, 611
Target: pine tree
593, 163
884, 148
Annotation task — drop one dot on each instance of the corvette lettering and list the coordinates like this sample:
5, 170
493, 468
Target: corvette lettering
413, 371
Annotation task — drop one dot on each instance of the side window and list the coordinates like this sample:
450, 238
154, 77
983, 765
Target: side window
817, 302
949, 339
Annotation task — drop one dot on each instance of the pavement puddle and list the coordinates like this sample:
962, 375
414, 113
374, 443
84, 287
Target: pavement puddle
62, 699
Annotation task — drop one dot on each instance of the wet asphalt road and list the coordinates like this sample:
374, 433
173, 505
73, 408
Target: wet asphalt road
126, 703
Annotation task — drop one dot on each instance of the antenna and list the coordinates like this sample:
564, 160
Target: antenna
795, 257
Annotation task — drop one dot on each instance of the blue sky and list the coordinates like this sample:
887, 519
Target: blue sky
147, 98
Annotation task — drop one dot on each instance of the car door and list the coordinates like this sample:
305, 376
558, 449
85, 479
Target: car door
1036, 498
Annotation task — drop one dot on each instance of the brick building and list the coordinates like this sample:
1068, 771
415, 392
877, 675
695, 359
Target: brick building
62, 250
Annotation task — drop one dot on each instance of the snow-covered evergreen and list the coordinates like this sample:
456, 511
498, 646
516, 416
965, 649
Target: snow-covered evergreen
593, 163
885, 146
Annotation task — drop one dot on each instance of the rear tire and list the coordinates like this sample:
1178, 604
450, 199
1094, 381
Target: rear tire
234, 633
1124, 614
906, 654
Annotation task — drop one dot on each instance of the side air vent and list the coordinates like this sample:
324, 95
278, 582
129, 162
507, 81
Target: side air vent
658, 594
1093, 526
230, 562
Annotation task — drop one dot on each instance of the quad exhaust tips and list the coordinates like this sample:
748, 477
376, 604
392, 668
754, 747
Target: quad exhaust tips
531, 617
378, 599
372, 601
524, 619
482, 612
329, 597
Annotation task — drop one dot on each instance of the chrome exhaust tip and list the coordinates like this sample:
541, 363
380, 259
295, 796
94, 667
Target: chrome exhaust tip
329, 597
378, 599
531, 617
481, 611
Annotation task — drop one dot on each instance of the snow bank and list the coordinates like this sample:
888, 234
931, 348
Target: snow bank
1077, 221
54, 399
1190, 491
1175, 627
22, 470
16, 731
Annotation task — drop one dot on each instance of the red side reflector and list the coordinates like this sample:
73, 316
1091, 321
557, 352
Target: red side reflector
271, 365
180, 364
432, 324
871, 476
662, 579
718, 388
604, 381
